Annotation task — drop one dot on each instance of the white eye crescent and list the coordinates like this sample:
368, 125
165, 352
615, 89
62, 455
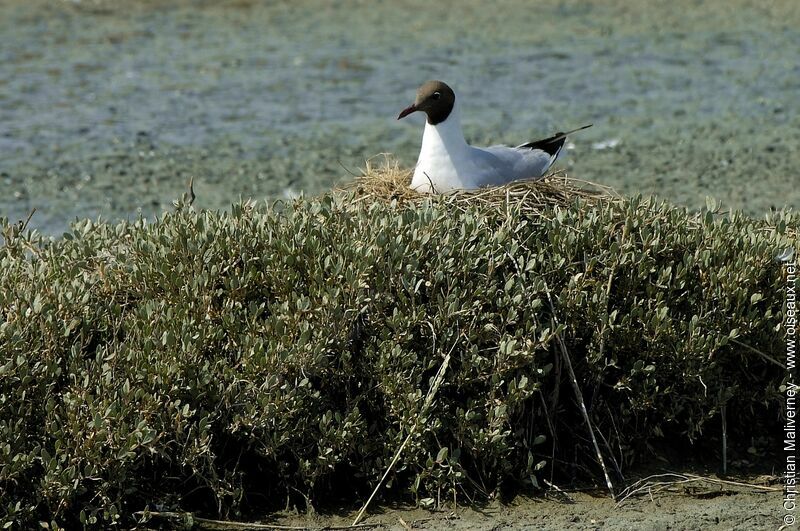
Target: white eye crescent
436, 95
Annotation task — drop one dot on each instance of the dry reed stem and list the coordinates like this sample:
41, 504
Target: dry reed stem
660, 482
423, 411
579, 395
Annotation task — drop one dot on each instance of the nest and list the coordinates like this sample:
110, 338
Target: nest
388, 182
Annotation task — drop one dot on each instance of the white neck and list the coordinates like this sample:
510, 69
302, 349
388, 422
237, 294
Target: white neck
446, 135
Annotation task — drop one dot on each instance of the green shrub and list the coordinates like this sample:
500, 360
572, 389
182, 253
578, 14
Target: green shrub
231, 363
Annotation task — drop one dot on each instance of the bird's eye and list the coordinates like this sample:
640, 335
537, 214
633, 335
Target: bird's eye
436, 95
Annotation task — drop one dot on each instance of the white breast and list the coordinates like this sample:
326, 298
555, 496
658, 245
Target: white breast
443, 163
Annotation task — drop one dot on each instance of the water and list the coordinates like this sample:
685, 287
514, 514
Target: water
108, 108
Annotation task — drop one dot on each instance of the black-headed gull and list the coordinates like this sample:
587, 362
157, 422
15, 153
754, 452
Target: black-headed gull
446, 162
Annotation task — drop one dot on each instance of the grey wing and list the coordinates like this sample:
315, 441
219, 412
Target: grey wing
530, 160
520, 162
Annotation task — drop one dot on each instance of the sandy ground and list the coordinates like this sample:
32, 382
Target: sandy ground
107, 108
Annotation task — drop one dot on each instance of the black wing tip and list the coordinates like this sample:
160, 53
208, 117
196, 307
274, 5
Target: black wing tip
553, 144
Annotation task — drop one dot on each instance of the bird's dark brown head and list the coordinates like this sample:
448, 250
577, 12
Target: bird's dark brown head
435, 99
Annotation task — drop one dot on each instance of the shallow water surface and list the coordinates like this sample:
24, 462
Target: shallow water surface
108, 108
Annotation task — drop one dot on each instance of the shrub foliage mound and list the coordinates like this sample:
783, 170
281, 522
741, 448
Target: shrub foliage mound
233, 363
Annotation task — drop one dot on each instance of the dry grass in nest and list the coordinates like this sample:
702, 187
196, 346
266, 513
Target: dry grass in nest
387, 181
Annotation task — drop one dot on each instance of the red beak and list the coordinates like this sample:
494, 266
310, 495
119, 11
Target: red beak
408, 110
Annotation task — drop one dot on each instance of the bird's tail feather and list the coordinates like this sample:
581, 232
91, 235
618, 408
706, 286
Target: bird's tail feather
552, 144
